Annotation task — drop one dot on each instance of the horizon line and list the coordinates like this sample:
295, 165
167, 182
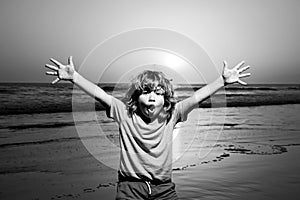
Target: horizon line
268, 83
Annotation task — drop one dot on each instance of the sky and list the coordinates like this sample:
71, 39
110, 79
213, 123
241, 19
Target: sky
264, 33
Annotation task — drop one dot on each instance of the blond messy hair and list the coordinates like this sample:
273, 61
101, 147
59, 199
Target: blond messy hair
150, 79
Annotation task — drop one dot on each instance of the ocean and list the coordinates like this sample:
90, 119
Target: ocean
30, 98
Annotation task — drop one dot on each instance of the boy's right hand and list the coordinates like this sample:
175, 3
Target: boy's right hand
63, 72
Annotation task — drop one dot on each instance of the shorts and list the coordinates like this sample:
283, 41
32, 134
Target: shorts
145, 190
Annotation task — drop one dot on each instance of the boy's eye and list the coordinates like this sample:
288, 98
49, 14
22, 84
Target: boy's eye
146, 91
157, 90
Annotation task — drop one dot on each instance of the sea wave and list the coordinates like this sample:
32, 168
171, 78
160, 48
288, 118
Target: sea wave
27, 98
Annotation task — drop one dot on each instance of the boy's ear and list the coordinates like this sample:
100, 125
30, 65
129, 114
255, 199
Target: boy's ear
167, 105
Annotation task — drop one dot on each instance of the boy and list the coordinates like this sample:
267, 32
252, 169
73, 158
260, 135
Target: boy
146, 122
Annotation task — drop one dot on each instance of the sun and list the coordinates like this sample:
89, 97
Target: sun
173, 61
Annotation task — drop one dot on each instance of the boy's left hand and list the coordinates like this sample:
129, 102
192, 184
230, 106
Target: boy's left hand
233, 75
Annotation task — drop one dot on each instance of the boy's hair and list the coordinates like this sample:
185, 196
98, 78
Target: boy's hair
150, 79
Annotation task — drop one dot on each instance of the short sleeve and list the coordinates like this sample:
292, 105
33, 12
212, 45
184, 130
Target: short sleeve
182, 109
117, 110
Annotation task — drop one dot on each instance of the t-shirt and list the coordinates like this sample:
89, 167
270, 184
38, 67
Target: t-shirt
146, 149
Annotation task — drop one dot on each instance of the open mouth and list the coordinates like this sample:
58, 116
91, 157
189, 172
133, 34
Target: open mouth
150, 108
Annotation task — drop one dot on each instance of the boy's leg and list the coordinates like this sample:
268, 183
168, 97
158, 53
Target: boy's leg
165, 191
132, 190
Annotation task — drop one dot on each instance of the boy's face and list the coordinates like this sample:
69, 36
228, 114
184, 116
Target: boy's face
151, 102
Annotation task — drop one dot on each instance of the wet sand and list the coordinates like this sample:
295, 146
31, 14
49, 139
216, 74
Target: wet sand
249, 153
243, 177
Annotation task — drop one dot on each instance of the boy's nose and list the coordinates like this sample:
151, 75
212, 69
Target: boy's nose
152, 96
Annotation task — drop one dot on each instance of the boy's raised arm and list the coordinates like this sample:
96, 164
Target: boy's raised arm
67, 72
229, 76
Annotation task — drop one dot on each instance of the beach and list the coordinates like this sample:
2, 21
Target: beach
219, 153
237, 61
